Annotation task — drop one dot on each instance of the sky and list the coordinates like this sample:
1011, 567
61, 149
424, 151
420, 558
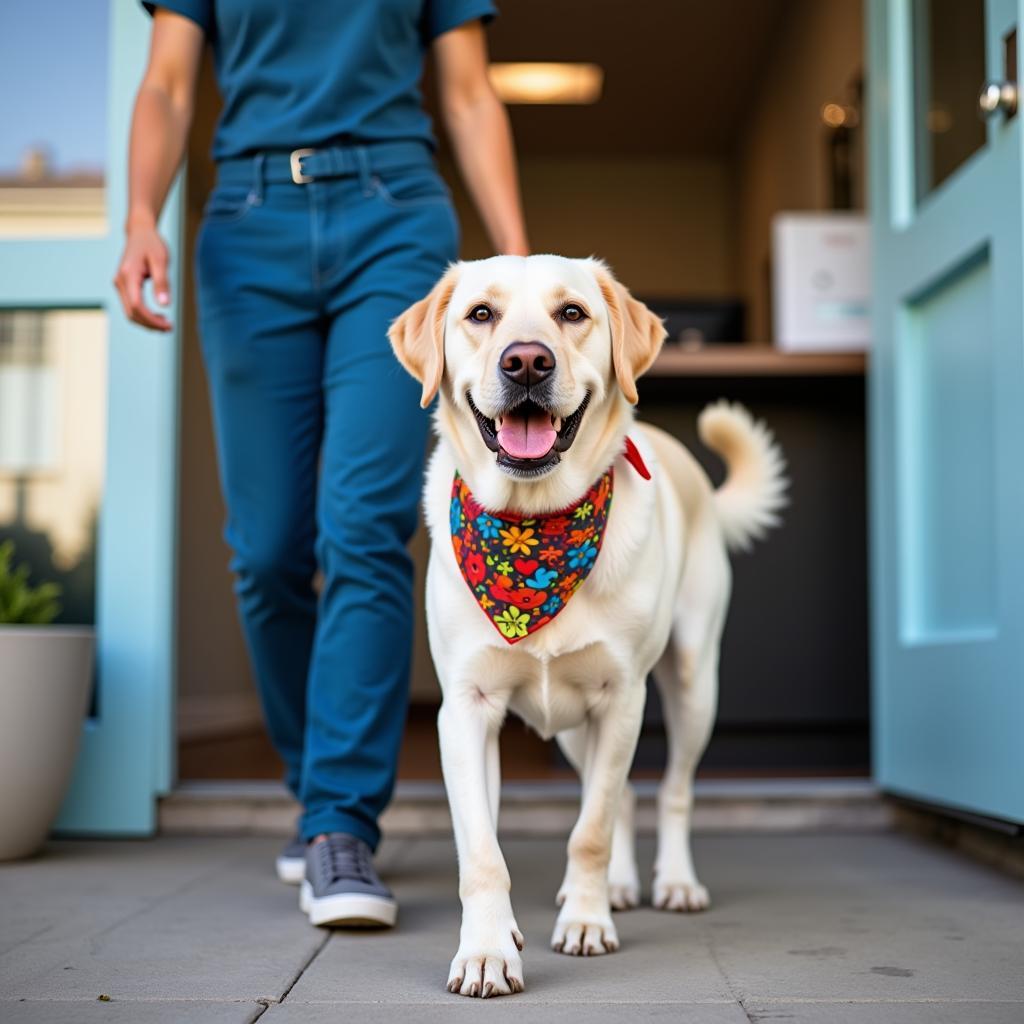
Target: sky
53, 80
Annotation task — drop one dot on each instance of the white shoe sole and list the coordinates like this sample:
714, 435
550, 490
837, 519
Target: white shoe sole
348, 910
291, 870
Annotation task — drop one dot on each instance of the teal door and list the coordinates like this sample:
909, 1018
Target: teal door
125, 757
947, 406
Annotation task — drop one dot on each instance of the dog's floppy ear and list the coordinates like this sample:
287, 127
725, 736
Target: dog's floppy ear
417, 336
637, 333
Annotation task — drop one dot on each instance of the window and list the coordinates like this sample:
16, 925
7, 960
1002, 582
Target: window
53, 369
949, 64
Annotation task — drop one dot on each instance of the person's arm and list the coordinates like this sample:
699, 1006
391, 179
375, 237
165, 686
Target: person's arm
160, 125
478, 127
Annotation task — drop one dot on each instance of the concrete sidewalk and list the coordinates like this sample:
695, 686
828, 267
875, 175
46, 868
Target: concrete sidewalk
806, 928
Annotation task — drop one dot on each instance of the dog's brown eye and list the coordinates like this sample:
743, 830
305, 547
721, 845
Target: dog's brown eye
481, 314
574, 314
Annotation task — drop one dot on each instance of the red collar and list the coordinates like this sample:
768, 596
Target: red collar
635, 459
522, 570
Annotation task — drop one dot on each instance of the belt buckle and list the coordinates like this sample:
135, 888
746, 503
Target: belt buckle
295, 159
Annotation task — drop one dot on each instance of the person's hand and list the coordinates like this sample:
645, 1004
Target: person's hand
145, 256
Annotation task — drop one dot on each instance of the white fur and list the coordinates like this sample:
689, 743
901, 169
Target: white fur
749, 502
655, 601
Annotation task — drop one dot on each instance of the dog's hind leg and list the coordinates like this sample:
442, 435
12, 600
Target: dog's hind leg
623, 876
687, 678
574, 745
688, 684
584, 926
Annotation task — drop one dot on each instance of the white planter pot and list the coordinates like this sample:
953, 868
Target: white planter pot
45, 678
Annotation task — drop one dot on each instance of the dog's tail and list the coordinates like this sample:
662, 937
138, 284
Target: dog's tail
754, 490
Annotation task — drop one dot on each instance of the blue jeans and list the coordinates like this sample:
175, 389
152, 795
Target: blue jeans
321, 441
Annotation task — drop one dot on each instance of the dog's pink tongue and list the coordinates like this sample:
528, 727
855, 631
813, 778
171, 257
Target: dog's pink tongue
527, 437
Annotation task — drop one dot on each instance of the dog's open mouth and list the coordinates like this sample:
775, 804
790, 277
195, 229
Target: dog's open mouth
529, 438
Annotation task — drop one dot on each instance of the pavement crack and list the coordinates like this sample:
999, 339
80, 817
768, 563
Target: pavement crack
264, 1005
713, 952
303, 967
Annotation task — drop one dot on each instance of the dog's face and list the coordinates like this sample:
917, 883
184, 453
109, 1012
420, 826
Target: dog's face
529, 353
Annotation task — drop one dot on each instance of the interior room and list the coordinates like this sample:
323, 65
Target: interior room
712, 120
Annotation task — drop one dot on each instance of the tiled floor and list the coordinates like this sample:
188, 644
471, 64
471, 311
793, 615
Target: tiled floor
849, 929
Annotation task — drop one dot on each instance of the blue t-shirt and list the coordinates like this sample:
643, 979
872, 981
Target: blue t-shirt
298, 74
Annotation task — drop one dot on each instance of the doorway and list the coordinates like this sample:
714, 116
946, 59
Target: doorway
713, 118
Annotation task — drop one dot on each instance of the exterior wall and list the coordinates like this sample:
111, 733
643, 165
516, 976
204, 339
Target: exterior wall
124, 757
27, 212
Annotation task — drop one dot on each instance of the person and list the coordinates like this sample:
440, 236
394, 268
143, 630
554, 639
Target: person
328, 219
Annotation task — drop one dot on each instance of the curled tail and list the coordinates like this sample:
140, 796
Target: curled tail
754, 491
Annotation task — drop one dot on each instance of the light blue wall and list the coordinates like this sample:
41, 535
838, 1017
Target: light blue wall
126, 755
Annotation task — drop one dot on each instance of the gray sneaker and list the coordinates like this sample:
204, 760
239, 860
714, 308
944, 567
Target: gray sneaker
291, 862
341, 887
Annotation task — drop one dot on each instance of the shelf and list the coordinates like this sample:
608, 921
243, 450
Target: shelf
742, 360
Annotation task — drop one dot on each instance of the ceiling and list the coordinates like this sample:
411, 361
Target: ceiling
678, 73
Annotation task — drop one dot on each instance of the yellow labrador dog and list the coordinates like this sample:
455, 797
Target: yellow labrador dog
574, 551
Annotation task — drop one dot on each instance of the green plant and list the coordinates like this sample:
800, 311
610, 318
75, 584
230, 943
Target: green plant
21, 603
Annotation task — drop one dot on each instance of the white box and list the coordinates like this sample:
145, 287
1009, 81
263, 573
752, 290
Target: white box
821, 282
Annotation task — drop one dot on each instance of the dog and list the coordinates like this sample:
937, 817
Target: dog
574, 550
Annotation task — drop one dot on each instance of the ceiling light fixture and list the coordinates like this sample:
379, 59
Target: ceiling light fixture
547, 83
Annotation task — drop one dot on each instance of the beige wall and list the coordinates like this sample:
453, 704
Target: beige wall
664, 224
781, 153
57, 211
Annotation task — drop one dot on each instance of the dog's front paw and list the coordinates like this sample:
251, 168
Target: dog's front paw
488, 969
584, 935
680, 896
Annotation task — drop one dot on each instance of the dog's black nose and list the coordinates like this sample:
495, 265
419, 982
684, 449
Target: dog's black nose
527, 362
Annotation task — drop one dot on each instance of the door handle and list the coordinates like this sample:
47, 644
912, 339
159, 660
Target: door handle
998, 96
1001, 95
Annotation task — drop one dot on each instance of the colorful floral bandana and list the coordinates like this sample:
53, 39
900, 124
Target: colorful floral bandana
522, 571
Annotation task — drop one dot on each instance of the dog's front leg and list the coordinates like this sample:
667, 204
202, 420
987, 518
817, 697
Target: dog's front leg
487, 962
584, 926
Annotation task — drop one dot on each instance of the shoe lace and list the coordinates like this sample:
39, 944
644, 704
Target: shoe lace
346, 857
